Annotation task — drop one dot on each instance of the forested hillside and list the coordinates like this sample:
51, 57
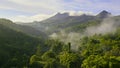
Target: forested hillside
16, 48
22, 28
97, 51
62, 41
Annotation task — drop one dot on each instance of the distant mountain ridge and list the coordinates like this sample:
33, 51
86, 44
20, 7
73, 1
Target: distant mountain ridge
21, 28
15, 45
60, 15
65, 16
64, 20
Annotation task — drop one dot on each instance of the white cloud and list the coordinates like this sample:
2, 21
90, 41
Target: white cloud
40, 17
78, 13
51, 6
42, 9
25, 19
36, 6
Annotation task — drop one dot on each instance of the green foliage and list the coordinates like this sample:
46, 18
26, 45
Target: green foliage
101, 51
98, 51
97, 61
18, 50
54, 45
70, 60
80, 27
34, 58
48, 55
15, 47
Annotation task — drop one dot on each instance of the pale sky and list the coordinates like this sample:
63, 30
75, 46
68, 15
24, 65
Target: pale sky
37, 10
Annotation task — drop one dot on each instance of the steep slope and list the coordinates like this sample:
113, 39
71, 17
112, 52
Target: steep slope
15, 47
22, 28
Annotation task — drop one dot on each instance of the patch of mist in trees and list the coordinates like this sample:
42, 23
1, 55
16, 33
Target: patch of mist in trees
72, 37
107, 26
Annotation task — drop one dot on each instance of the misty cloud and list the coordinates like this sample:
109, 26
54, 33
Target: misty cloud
25, 19
72, 37
78, 13
107, 26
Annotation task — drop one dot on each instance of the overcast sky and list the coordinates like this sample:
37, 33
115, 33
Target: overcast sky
31, 10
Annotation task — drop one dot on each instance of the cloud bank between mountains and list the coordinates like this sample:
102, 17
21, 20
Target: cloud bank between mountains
40, 17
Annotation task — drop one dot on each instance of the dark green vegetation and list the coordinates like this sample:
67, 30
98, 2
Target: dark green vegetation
98, 51
15, 48
27, 47
22, 28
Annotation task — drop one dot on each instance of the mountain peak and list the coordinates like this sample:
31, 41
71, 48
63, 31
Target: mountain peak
104, 11
104, 14
60, 15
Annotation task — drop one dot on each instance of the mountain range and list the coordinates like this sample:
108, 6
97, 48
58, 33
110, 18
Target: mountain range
22, 45
21, 28
58, 22
65, 21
